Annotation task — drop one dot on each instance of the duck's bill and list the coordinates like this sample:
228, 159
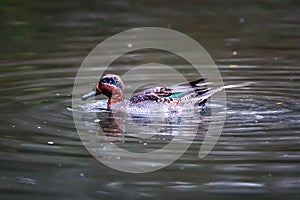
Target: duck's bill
90, 94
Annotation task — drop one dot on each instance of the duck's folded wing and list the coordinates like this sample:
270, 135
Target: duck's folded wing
193, 89
176, 93
153, 94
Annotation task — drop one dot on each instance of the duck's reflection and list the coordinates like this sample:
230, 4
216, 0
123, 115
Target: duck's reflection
117, 125
111, 125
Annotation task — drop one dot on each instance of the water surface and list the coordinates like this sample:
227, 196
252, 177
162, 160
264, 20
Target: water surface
43, 45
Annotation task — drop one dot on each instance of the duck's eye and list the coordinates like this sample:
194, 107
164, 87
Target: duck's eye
108, 80
112, 81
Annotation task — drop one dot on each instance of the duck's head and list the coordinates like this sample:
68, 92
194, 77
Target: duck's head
111, 86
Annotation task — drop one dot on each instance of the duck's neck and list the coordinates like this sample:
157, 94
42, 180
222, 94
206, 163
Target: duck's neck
115, 98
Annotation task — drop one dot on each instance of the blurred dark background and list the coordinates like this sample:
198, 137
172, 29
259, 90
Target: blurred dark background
257, 30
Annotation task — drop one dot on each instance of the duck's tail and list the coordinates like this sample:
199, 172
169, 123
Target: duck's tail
197, 92
204, 96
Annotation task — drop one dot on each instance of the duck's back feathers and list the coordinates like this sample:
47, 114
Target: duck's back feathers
184, 93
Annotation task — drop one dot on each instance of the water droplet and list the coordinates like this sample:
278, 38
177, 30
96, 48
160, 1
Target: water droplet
242, 20
129, 45
50, 142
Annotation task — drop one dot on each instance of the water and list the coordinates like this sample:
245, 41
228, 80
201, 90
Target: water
257, 155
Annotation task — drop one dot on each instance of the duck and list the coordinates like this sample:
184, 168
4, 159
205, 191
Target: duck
183, 95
